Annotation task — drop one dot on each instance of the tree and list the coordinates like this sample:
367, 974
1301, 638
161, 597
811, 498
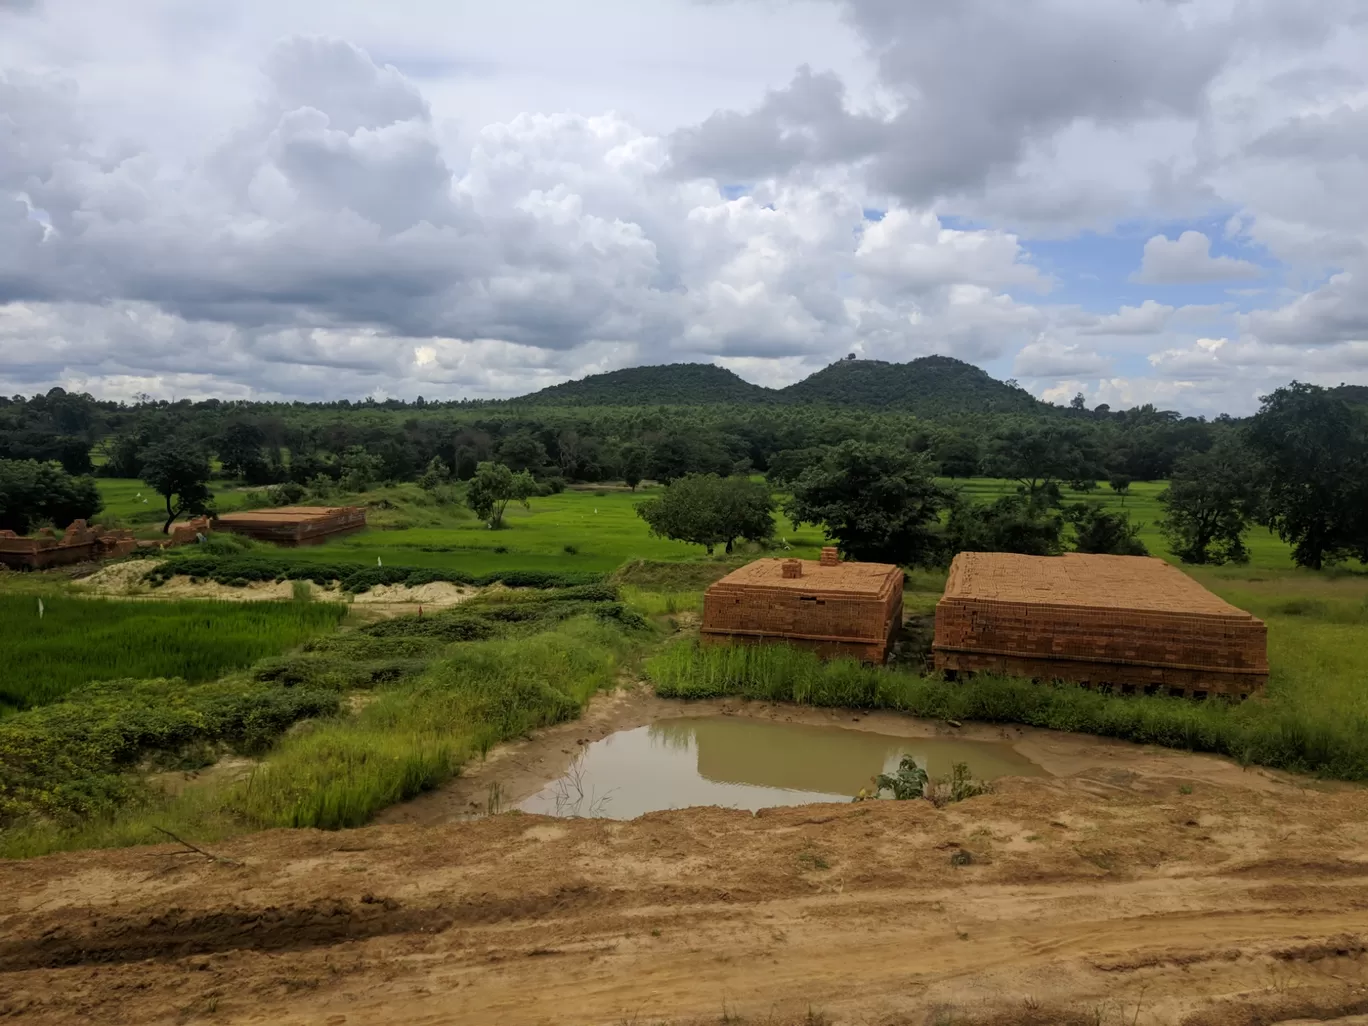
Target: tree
1011, 524
1100, 531
179, 472
493, 487
958, 454
522, 451
633, 458
1312, 452
33, 492
436, 475
879, 502
360, 469
239, 452
1040, 456
1206, 506
708, 510
1120, 484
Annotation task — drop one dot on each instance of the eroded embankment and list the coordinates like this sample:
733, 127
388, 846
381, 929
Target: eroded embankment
1043, 902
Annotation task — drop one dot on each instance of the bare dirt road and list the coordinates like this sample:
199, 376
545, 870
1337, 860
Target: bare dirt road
1062, 901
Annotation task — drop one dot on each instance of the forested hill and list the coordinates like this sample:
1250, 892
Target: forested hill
928, 384
1357, 394
674, 384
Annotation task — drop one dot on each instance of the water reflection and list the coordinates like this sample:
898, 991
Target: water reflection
752, 764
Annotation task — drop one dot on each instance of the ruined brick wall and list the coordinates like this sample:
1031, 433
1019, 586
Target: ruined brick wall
1132, 622
79, 544
850, 609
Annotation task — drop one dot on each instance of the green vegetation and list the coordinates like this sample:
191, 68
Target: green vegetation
438, 689
180, 473
73, 641
493, 487
707, 510
33, 493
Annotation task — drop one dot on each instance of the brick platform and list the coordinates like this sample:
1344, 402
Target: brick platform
294, 525
1133, 622
79, 543
833, 608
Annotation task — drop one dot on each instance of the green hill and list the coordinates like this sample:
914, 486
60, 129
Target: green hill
679, 384
929, 384
926, 384
1357, 394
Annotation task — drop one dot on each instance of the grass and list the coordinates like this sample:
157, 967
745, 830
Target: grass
1307, 722
443, 688
75, 641
135, 505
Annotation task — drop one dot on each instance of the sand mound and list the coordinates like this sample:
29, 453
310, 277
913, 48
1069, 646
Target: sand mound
125, 580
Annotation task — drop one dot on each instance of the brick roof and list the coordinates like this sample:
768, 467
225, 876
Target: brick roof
1080, 579
864, 579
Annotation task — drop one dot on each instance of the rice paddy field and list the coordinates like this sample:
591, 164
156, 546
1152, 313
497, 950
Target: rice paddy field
72, 641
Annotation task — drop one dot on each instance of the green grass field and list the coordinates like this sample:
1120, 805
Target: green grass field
137, 506
78, 640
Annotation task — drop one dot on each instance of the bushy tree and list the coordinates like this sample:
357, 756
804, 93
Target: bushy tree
1120, 484
493, 487
360, 469
32, 493
1206, 505
1101, 531
1011, 524
435, 476
1312, 452
879, 502
1039, 456
180, 473
632, 464
239, 448
708, 510
522, 451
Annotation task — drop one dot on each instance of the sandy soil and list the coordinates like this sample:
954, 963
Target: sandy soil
125, 580
1227, 906
1104, 896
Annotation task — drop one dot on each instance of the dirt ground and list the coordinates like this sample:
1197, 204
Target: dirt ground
1106, 895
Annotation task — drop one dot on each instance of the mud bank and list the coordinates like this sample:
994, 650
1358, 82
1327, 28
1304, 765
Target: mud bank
1100, 765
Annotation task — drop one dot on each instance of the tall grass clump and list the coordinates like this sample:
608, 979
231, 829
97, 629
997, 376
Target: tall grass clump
1276, 730
416, 735
74, 641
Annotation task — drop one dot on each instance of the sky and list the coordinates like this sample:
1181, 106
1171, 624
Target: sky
1146, 201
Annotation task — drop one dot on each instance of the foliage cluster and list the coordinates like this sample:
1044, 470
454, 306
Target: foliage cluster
34, 493
73, 641
708, 510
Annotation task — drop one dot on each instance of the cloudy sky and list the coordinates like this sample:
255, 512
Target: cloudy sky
1146, 200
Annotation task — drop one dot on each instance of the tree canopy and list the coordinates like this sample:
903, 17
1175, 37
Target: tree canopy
180, 474
493, 487
709, 510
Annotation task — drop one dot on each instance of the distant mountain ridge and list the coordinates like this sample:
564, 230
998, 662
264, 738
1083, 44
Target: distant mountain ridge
927, 383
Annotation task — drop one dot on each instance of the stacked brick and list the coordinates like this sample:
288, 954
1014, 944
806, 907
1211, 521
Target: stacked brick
79, 543
834, 608
294, 525
1131, 622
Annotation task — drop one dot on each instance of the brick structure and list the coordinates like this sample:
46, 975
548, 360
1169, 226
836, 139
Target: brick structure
79, 544
834, 608
1132, 622
294, 525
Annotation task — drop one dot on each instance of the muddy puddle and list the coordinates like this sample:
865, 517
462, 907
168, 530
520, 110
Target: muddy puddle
743, 763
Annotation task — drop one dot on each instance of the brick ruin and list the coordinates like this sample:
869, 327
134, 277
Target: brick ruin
1132, 622
834, 608
79, 543
294, 525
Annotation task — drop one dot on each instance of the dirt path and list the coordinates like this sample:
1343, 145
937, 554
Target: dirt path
1229, 906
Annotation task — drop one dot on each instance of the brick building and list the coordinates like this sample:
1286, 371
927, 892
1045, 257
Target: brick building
294, 525
1133, 622
834, 608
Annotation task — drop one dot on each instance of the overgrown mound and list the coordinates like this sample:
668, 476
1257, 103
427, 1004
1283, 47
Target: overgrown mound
240, 570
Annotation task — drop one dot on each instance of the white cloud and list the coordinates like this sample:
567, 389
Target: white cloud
1188, 260
1148, 318
1047, 358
